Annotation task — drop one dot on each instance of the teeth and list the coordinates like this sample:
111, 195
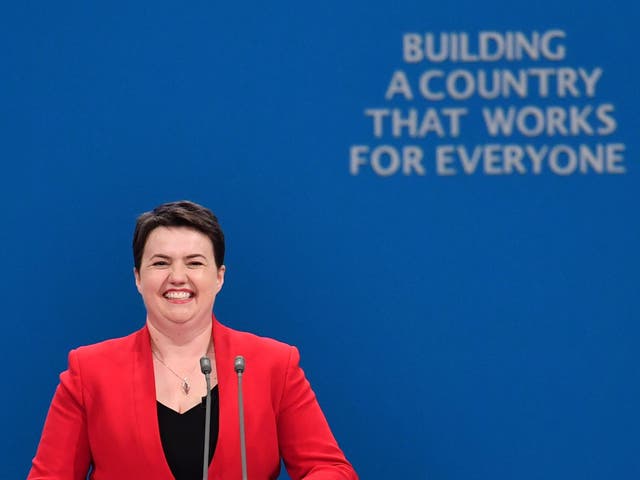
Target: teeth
177, 295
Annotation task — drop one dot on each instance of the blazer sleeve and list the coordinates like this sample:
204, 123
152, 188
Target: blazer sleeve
308, 447
63, 452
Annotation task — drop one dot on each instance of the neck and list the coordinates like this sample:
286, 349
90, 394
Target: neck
182, 341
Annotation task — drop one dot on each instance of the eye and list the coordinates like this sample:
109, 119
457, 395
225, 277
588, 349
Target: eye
160, 263
195, 263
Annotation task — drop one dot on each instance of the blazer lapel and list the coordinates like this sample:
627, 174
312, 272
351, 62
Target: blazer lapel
146, 411
226, 459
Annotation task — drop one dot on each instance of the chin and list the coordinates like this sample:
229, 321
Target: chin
186, 319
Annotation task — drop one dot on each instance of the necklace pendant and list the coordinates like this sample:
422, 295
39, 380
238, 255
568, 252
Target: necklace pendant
185, 386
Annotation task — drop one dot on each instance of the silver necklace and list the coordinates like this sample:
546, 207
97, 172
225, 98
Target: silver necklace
185, 386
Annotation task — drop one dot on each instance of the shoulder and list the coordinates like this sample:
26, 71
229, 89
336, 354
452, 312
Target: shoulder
250, 341
265, 351
92, 368
111, 350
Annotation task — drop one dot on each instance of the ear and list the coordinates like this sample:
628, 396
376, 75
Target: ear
220, 277
136, 275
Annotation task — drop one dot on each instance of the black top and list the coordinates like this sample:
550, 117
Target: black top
182, 436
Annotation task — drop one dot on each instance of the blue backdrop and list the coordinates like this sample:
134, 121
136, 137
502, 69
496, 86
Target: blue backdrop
461, 313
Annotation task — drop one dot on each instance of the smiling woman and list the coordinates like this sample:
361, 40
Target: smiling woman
133, 407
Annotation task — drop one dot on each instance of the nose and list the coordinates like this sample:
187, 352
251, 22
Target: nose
178, 274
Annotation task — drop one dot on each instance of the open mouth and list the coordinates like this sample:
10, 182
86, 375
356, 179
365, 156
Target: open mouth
177, 295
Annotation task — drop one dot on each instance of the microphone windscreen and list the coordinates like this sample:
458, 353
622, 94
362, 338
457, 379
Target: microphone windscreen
205, 365
238, 364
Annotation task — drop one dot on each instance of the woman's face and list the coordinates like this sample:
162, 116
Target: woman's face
178, 277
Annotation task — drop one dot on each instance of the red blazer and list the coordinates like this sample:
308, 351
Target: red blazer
104, 414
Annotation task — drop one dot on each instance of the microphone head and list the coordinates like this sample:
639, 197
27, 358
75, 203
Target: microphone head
205, 365
238, 364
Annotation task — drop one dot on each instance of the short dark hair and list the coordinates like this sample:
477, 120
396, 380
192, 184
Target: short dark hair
178, 214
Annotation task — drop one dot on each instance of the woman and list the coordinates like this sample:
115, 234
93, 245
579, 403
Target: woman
132, 408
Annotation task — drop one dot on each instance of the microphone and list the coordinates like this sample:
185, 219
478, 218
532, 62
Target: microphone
238, 365
205, 368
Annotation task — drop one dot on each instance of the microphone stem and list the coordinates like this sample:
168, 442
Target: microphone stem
243, 450
207, 429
